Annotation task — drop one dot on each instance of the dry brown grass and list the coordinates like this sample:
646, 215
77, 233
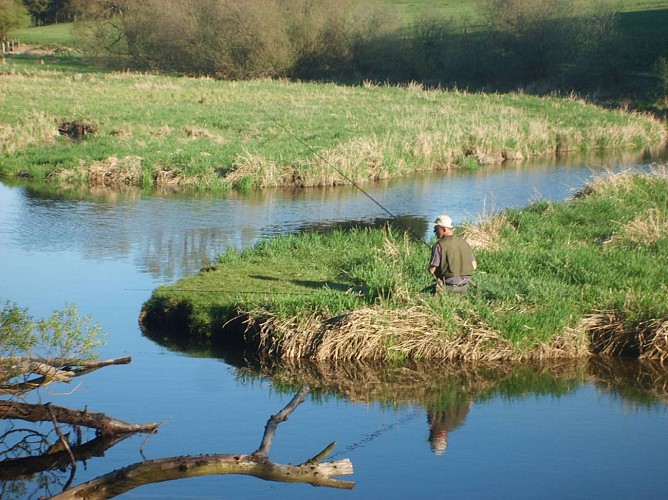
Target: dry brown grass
653, 341
646, 229
486, 233
35, 129
607, 183
611, 184
109, 173
610, 337
414, 333
115, 172
264, 172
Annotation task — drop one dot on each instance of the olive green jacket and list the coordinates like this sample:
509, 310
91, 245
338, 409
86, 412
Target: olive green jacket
456, 257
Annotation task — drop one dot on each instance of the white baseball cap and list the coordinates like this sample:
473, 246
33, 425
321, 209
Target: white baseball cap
443, 221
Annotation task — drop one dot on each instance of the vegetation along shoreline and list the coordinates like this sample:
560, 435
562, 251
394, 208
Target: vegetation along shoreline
556, 280
66, 127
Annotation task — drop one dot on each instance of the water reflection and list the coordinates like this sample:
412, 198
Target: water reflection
169, 235
447, 391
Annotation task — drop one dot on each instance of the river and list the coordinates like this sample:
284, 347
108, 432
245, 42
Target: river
579, 430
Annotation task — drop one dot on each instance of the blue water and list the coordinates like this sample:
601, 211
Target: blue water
106, 254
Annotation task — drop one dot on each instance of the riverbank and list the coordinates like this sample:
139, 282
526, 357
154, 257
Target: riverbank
556, 280
63, 123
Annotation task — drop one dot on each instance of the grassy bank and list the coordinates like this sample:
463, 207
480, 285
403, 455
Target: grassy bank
555, 280
63, 124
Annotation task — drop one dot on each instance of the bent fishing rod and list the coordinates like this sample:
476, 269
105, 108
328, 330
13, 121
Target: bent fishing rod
342, 174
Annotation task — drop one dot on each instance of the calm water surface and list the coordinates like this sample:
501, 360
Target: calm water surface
598, 430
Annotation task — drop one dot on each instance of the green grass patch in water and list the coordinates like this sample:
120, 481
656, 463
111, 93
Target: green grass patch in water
555, 266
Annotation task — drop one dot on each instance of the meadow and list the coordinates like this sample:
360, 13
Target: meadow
556, 280
65, 121
63, 125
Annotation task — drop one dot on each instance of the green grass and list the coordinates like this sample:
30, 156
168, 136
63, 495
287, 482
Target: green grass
52, 35
217, 134
555, 264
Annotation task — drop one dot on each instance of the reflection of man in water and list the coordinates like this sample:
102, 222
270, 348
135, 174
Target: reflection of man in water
443, 420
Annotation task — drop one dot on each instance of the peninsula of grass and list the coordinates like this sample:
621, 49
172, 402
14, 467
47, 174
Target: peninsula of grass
62, 123
555, 280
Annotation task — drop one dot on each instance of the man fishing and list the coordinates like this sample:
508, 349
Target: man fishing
452, 261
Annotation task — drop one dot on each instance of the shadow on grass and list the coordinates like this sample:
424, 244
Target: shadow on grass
61, 62
332, 285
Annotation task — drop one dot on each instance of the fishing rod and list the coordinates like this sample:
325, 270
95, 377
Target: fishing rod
342, 174
221, 290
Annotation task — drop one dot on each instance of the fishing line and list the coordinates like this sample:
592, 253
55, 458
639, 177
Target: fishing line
351, 181
216, 290
362, 443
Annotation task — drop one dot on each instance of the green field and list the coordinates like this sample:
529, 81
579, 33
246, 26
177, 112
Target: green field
52, 35
154, 131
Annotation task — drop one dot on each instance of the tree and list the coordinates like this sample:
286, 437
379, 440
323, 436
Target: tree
36, 9
33, 354
13, 15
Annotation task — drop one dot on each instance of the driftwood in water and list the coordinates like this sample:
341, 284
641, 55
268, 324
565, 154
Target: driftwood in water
49, 370
106, 426
61, 453
257, 464
25, 467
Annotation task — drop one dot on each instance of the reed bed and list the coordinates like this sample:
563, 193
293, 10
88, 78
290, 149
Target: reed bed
413, 333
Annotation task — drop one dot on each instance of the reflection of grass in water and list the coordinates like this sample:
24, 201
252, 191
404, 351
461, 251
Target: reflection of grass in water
451, 387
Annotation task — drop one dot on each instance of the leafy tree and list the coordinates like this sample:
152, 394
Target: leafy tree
13, 15
32, 346
48, 11
36, 9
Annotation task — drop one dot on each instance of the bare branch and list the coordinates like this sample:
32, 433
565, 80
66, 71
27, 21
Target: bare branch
256, 464
154, 471
39, 413
282, 416
61, 370
322, 455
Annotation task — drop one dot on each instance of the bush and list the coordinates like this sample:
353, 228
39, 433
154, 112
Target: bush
226, 38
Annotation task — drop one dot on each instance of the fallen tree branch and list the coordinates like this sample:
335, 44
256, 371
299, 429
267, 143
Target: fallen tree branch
167, 469
281, 416
40, 413
255, 464
56, 369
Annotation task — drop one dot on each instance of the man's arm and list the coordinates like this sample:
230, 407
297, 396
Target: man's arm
435, 261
